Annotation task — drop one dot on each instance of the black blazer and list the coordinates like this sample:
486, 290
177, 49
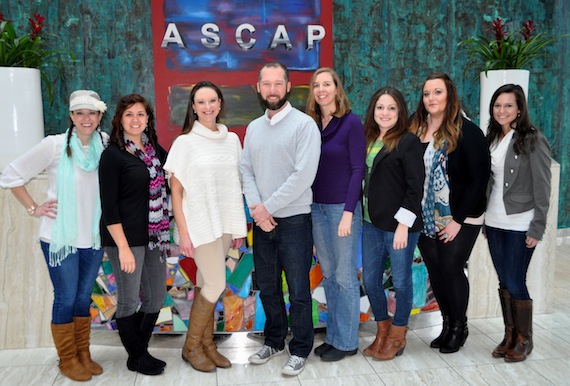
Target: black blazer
469, 167
396, 181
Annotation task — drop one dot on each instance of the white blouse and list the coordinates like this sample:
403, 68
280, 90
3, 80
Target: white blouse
45, 156
496, 215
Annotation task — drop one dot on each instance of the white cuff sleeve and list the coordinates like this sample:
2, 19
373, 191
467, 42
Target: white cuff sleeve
405, 216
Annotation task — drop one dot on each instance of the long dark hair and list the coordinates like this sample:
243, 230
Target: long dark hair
123, 104
394, 135
191, 115
522, 125
450, 129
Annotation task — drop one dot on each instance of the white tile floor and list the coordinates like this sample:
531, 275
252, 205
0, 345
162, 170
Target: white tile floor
548, 364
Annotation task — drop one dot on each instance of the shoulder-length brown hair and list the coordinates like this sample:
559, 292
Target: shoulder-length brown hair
123, 104
450, 129
191, 115
394, 135
341, 100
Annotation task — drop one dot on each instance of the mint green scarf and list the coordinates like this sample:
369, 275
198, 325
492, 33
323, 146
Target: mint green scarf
64, 231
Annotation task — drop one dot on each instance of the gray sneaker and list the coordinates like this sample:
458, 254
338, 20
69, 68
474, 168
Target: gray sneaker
294, 365
265, 354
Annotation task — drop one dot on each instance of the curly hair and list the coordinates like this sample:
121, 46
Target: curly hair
117, 128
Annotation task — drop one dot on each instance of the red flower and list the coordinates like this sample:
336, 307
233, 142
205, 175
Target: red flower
1, 17
528, 29
499, 29
36, 24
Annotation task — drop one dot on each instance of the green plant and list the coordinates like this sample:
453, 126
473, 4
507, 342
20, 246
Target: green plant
30, 50
507, 50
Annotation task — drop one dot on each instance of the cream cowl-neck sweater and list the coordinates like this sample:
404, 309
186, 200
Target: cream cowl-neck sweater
206, 163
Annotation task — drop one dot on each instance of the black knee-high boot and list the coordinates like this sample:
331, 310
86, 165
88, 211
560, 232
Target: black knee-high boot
139, 360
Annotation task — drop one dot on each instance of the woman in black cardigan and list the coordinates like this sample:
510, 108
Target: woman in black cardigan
135, 227
457, 167
392, 216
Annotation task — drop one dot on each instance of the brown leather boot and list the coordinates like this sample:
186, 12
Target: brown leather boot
193, 351
82, 334
509, 337
210, 346
522, 312
381, 336
395, 344
69, 365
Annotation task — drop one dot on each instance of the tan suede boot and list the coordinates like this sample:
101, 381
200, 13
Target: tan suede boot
395, 344
82, 334
69, 365
193, 351
381, 336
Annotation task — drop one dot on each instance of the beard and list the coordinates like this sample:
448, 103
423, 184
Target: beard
276, 105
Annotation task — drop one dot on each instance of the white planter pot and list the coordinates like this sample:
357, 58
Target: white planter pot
21, 112
490, 82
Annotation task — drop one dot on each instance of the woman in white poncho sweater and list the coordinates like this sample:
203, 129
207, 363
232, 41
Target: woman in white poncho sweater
207, 202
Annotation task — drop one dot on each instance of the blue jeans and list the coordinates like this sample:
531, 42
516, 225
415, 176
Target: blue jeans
289, 248
337, 257
377, 246
511, 258
72, 283
147, 282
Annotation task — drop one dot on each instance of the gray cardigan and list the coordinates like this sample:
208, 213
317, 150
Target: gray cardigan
527, 183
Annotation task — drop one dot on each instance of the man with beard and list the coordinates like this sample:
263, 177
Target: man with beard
279, 163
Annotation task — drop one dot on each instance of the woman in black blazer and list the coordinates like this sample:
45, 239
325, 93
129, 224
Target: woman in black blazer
457, 168
392, 216
519, 197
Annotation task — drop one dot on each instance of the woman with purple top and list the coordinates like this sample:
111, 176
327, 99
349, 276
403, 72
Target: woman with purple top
336, 211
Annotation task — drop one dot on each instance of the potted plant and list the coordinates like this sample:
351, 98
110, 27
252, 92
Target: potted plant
503, 57
21, 108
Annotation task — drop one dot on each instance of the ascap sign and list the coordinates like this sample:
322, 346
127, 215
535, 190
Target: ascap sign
244, 36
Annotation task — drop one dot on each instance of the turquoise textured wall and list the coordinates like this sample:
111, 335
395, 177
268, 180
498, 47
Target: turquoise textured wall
376, 43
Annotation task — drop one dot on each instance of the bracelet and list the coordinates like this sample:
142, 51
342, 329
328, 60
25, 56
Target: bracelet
32, 209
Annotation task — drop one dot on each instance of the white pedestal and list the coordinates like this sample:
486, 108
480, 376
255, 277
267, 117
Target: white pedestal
484, 298
21, 112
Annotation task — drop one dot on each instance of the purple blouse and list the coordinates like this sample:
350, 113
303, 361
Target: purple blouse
342, 164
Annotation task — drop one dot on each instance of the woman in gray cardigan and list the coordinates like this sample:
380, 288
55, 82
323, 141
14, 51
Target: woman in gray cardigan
519, 197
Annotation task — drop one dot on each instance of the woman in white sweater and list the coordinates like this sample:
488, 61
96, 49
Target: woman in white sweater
207, 202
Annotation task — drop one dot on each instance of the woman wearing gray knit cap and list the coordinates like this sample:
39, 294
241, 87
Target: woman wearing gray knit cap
69, 224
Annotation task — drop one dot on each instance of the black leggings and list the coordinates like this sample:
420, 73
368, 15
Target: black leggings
445, 264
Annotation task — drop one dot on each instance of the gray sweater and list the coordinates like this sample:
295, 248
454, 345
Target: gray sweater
280, 161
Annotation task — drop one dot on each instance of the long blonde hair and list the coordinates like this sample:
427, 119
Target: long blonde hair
341, 100
450, 129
